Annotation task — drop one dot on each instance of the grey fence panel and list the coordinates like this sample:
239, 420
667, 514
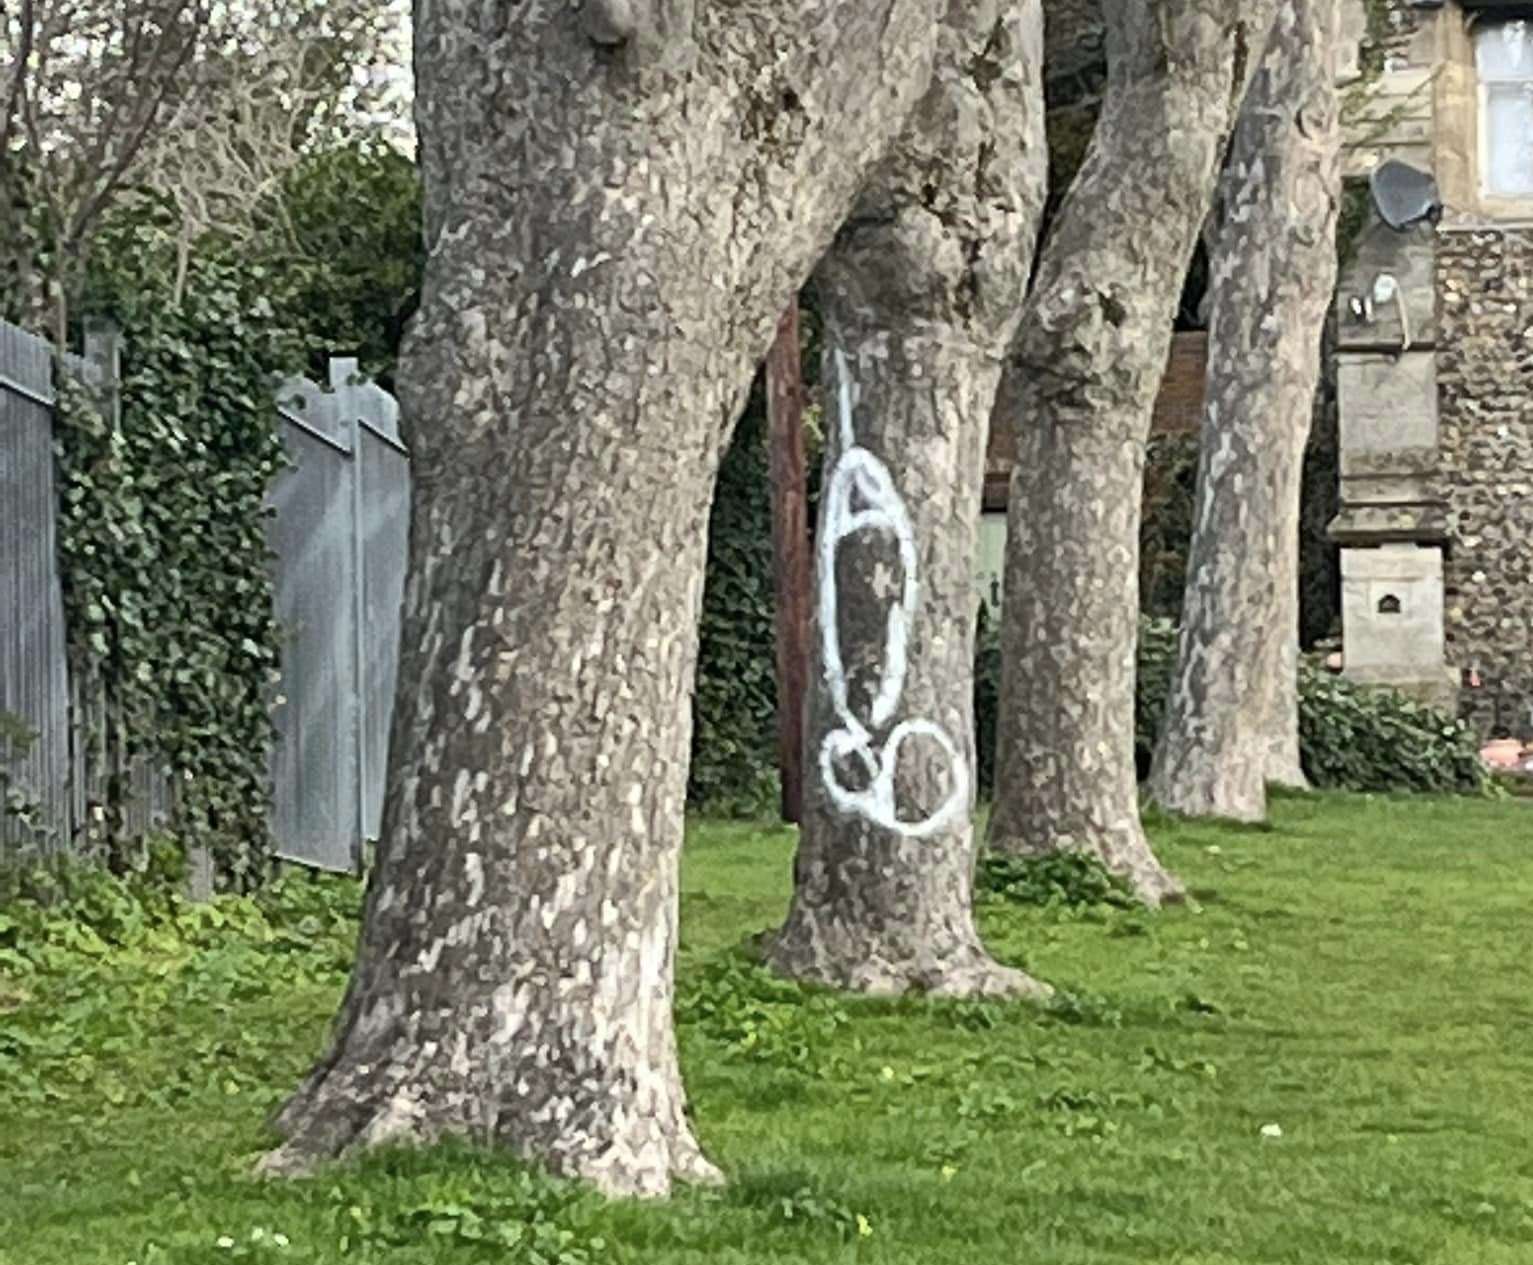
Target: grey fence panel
34, 682
339, 535
383, 471
314, 761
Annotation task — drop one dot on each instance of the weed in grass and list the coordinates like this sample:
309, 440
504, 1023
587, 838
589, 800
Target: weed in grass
1066, 881
791, 1201
523, 1219
756, 1016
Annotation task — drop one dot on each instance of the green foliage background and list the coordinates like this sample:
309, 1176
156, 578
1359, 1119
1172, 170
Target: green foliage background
734, 712
344, 235
1350, 738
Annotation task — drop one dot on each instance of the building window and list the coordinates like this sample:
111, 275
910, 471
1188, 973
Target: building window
1504, 57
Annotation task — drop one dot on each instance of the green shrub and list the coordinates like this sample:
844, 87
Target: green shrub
1378, 740
1350, 738
987, 699
97, 970
65, 903
734, 710
60, 886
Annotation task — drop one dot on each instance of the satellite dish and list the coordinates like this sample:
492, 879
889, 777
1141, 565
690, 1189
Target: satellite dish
1403, 194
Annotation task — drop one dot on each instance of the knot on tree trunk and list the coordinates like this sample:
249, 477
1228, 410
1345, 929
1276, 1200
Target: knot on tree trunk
609, 22
653, 34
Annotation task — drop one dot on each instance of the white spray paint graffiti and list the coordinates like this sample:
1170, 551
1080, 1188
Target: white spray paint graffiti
858, 472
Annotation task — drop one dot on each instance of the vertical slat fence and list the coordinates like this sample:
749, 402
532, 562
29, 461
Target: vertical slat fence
34, 685
339, 534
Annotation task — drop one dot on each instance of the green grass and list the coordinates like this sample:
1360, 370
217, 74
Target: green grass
1355, 975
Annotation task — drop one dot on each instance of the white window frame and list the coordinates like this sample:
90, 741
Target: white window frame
1481, 28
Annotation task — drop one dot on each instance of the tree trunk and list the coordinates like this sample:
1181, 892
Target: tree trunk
792, 570
1284, 765
920, 296
1093, 349
620, 201
1232, 721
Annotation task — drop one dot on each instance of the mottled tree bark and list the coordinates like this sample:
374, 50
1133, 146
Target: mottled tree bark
620, 200
1232, 721
921, 298
1090, 358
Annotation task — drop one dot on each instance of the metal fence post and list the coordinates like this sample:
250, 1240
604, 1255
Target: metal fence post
343, 378
102, 371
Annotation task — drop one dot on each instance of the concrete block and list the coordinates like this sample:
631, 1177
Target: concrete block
1392, 615
1387, 405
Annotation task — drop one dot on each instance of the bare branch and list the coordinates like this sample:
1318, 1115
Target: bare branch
209, 104
163, 67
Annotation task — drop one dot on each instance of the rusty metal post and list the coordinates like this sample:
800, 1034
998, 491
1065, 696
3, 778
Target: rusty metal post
790, 553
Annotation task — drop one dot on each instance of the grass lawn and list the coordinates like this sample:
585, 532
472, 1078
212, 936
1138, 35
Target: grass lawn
1356, 976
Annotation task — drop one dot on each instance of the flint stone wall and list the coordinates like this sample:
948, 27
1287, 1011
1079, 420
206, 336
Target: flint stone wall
1485, 386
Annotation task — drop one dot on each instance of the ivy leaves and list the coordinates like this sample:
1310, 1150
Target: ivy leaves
734, 766
167, 574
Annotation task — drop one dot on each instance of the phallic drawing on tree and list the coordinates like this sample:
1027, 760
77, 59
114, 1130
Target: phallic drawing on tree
862, 498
